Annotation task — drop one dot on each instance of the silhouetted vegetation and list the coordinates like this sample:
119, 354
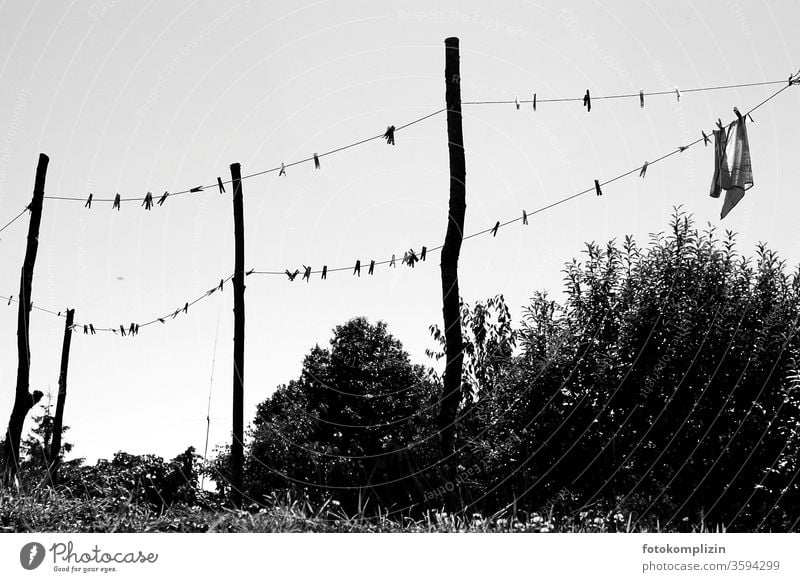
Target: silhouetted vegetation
661, 393
662, 387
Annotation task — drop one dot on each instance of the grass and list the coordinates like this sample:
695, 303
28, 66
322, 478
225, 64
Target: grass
46, 510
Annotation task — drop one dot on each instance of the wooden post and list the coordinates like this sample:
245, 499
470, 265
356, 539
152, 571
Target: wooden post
23, 400
451, 394
237, 447
58, 421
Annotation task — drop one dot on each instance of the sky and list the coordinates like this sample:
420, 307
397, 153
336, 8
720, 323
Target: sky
134, 97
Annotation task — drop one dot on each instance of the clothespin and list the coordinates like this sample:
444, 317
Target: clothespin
161, 319
357, 268
389, 135
114, 331
587, 101
494, 229
85, 329
706, 141
719, 124
9, 299
221, 284
196, 189
534, 101
423, 253
412, 258
132, 329
516, 102
88, 202
405, 258
371, 267
324, 271
163, 198
524, 217
136, 329
220, 185
741, 117
283, 170
91, 329
122, 330
643, 171
186, 307
175, 313
641, 98
148, 201
597, 188
116, 202
250, 272
678, 93
307, 273
392, 262
316, 161
292, 275
683, 148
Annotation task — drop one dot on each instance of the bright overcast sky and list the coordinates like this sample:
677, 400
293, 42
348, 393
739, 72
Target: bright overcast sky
129, 97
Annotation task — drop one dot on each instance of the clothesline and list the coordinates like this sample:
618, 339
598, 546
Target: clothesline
389, 135
641, 94
149, 200
281, 169
410, 257
132, 328
13, 220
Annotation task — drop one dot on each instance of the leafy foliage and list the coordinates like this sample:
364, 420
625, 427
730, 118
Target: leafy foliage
357, 421
141, 479
658, 386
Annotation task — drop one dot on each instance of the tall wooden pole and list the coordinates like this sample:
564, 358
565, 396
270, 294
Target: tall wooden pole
58, 422
451, 394
23, 400
237, 447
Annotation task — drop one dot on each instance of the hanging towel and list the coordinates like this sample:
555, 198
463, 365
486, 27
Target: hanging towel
733, 170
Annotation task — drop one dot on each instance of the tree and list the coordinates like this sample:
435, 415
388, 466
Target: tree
36, 446
357, 423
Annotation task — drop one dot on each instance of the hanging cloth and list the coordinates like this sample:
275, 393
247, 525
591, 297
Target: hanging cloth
733, 170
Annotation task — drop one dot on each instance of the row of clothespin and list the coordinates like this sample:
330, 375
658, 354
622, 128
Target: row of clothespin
410, 258
133, 328
587, 99
148, 200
